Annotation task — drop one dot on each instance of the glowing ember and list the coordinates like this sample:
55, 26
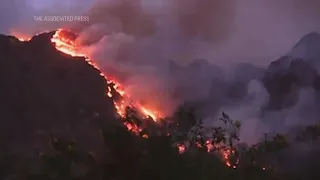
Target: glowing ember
133, 128
145, 136
181, 148
209, 146
227, 154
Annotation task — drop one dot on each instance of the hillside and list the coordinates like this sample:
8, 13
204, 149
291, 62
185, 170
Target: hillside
43, 90
57, 122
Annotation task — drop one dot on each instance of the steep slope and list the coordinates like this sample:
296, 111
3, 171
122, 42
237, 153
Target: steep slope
42, 90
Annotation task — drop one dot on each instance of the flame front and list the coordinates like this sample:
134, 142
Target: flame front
64, 42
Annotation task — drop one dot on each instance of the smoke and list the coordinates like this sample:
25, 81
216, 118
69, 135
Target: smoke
155, 48
211, 29
223, 32
18, 16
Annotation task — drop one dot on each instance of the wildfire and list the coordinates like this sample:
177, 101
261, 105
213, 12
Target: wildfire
64, 41
228, 154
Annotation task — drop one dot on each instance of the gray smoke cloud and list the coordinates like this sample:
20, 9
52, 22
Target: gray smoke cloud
223, 32
152, 47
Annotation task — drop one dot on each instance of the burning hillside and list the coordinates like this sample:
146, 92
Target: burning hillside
49, 77
64, 41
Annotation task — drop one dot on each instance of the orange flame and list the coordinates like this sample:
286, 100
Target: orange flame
64, 42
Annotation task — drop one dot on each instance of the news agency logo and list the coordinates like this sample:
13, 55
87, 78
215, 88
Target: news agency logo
61, 18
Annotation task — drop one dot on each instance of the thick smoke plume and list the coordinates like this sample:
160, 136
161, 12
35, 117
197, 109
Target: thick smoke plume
222, 32
156, 48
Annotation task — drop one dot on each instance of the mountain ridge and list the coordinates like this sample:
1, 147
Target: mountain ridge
297, 69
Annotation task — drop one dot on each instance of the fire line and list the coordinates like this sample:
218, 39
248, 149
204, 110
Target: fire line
63, 41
